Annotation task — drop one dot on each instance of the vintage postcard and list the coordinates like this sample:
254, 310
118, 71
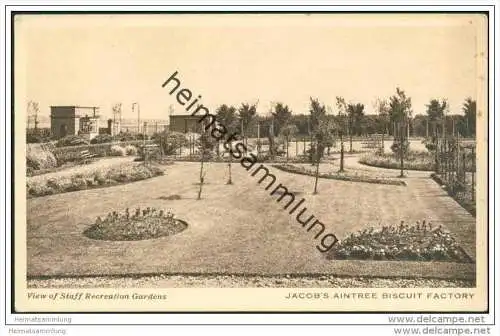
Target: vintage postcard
243, 162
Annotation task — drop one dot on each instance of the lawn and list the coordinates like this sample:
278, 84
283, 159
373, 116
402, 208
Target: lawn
236, 229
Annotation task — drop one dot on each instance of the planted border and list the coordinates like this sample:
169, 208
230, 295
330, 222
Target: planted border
418, 242
337, 176
99, 178
460, 197
420, 162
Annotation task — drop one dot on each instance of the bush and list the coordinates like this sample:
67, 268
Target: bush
37, 138
125, 136
72, 153
131, 150
102, 138
71, 140
40, 135
170, 142
395, 147
117, 151
37, 159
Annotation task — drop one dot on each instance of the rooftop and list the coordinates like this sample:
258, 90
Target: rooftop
76, 106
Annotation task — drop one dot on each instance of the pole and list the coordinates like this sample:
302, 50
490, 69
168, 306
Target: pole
258, 138
242, 131
401, 149
317, 170
138, 118
473, 189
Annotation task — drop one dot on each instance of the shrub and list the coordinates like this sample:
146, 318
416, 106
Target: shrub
71, 140
125, 136
131, 150
37, 159
72, 153
395, 147
170, 142
39, 135
117, 151
102, 138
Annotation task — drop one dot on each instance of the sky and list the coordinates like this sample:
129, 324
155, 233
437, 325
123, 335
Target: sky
102, 60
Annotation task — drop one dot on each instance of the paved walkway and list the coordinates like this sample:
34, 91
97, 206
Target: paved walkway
459, 221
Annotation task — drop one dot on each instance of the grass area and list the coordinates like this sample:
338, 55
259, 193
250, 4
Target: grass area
227, 223
97, 178
423, 161
346, 176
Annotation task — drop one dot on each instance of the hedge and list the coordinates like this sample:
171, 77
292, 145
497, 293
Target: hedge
72, 153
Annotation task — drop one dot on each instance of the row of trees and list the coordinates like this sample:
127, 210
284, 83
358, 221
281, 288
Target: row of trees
282, 121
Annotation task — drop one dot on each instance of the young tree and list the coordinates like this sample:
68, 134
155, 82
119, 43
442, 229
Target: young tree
400, 112
355, 115
435, 114
287, 132
382, 108
322, 133
227, 118
469, 109
205, 145
281, 116
342, 111
246, 116
33, 110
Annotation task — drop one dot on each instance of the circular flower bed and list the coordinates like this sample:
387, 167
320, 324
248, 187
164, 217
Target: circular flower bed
419, 242
143, 224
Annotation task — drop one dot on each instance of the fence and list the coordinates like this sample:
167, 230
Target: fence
148, 128
456, 167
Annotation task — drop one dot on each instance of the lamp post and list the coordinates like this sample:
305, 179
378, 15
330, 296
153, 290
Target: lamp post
138, 116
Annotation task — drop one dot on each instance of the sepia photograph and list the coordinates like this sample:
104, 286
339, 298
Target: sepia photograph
245, 161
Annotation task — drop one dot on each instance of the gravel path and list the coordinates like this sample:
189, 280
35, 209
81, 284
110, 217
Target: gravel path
173, 281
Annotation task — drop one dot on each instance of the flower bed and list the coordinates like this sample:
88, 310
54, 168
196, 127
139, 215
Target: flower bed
413, 161
143, 224
418, 242
338, 176
125, 173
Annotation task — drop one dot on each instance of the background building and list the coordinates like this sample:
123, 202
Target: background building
74, 120
184, 123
